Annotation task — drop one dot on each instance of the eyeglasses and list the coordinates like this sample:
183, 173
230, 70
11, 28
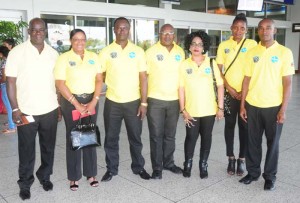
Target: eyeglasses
78, 40
194, 44
167, 33
34, 31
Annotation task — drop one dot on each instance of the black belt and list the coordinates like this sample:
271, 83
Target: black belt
84, 95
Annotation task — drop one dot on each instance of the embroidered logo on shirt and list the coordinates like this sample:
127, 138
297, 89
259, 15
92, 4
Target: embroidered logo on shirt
226, 51
177, 57
207, 70
113, 55
189, 71
91, 62
244, 49
255, 59
132, 55
274, 59
72, 63
160, 57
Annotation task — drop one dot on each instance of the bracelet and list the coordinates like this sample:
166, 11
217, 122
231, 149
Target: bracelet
16, 109
73, 98
183, 110
144, 104
220, 109
70, 98
96, 97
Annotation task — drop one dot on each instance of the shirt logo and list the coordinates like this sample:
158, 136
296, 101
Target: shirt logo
274, 59
226, 51
160, 57
113, 55
244, 49
177, 57
207, 70
132, 55
255, 59
72, 63
189, 71
91, 62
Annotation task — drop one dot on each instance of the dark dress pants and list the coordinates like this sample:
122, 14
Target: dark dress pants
162, 119
113, 114
89, 155
204, 127
230, 122
45, 126
263, 120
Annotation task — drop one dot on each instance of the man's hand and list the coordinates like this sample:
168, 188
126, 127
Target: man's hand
243, 114
142, 111
281, 117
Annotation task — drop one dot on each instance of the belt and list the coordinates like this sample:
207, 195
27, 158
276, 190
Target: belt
84, 95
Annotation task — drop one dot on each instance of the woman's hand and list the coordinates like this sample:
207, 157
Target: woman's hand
188, 120
220, 114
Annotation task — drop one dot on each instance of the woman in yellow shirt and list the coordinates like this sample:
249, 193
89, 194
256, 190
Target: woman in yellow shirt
79, 80
197, 99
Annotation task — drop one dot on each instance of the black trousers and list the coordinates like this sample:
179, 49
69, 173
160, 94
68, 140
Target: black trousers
162, 119
89, 155
263, 120
45, 126
114, 113
230, 122
204, 127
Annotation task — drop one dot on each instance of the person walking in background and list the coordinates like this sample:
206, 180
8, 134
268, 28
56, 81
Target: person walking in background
125, 68
79, 80
266, 91
163, 61
31, 92
11, 125
230, 57
197, 99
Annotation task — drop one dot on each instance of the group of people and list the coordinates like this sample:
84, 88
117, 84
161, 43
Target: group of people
159, 84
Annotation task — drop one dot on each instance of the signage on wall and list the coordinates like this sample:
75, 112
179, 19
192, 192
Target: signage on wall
284, 1
177, 2
296, 27
250, 5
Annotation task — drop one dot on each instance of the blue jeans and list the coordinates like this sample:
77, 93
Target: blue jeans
11, 124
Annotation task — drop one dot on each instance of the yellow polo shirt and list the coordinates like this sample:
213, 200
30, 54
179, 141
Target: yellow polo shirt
266, 67
36, 93
197, 82
163, 71
79, 75
226, 53
122, 67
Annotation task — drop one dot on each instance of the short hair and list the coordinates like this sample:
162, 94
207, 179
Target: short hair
4, 50
202, 35
36, 19
10, 41
267, 19
121, 18
240, 17
75, 31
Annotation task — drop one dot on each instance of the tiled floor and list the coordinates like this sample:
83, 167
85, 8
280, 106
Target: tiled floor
127, 187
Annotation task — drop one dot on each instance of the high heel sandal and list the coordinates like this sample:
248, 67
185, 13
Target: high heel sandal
231, 166
74, 186
93, 181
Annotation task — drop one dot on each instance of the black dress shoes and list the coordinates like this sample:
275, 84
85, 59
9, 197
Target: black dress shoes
47, 185
248, 179
156, 174
269, 185
107, 176
174, 169
144, 175
24, 194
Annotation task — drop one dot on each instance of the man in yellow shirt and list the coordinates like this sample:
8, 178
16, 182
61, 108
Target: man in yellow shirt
163, 61
125, 68
31, 91
265, 94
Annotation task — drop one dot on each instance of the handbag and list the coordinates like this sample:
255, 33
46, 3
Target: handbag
226, 93
85, 135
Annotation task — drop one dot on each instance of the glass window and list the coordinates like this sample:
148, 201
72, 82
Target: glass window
280, 36
179, 37
94, 0
146, 33
150, 3
59, 28
226, 34
95, 30
191, 5
276, 12
225, 7
215, 37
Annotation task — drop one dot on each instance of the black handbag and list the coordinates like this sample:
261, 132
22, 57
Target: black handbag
85, 135
226, 93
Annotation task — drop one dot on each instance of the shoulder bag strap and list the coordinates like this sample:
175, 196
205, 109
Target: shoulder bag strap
214, 79
235, 56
